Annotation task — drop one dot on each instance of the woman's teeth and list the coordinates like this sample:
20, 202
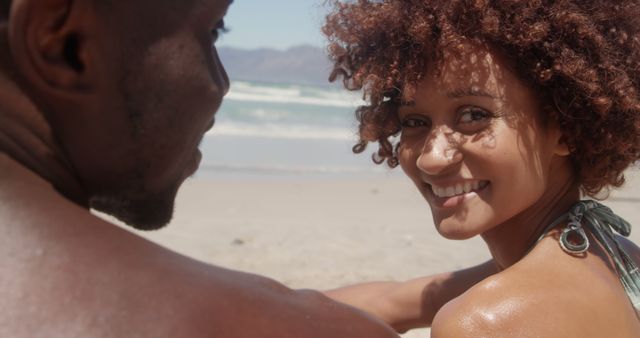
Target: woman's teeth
458, 189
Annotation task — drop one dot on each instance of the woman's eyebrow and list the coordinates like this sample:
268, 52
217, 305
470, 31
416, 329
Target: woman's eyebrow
471, 91
411, 103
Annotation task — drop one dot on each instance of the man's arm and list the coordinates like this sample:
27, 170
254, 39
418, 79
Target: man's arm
249, 305
414, 303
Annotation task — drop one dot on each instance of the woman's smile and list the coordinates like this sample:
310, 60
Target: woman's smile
458, 189
473, 143
506, 112
453, 194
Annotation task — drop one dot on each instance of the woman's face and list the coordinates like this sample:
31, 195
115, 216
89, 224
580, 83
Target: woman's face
474, 143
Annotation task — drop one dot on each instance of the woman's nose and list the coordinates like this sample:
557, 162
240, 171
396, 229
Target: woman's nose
439, 152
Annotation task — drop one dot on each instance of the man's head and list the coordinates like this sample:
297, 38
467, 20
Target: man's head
128, 87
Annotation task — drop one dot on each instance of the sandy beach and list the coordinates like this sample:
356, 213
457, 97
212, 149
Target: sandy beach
324, 233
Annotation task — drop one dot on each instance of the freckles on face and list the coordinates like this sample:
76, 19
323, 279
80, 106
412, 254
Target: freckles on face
472, 143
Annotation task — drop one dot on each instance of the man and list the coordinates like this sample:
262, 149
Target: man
103, 104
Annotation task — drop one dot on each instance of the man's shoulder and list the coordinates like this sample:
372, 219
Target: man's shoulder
165, 295
243, 305
27, 198
266, 308
102, 271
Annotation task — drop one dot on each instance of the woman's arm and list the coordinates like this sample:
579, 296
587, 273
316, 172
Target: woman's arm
414, 303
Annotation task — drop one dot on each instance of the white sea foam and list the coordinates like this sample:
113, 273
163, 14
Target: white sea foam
282, 131
268, 114
248, 92
291, 169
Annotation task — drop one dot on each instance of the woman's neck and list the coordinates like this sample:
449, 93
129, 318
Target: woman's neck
510, 241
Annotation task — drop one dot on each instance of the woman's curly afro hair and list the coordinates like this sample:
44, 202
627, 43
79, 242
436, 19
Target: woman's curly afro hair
581, 56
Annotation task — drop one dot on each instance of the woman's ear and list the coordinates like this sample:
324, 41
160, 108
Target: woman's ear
45, 38
560, 146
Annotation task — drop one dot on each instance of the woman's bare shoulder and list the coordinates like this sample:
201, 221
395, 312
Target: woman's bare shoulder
497, 306
569, 298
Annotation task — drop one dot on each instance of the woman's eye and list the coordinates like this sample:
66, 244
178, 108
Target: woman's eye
412, 122
474, 115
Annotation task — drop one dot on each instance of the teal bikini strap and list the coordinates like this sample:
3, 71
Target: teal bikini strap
601, 222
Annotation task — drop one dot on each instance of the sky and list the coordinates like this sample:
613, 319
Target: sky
277, 24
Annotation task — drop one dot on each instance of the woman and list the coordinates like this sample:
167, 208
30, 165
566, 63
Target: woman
507, 113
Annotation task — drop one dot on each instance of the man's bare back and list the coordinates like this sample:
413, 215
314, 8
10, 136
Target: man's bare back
70, 274
110, 117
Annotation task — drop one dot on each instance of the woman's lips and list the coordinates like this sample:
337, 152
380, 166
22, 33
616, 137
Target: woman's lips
452, 195
459, 188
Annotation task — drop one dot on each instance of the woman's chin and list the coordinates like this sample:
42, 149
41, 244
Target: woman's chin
456, 230
456, 235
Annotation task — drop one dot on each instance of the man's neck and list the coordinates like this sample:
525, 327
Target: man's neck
26, 137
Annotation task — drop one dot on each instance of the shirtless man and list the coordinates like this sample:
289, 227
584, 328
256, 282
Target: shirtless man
103, 104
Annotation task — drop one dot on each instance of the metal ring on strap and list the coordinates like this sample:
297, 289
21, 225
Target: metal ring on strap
568, 246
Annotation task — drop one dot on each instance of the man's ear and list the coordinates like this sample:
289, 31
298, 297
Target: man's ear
46, 42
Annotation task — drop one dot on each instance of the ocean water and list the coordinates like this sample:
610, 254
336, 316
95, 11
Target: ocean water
285, 130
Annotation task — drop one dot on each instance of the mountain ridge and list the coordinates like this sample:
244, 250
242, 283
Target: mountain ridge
301, 64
